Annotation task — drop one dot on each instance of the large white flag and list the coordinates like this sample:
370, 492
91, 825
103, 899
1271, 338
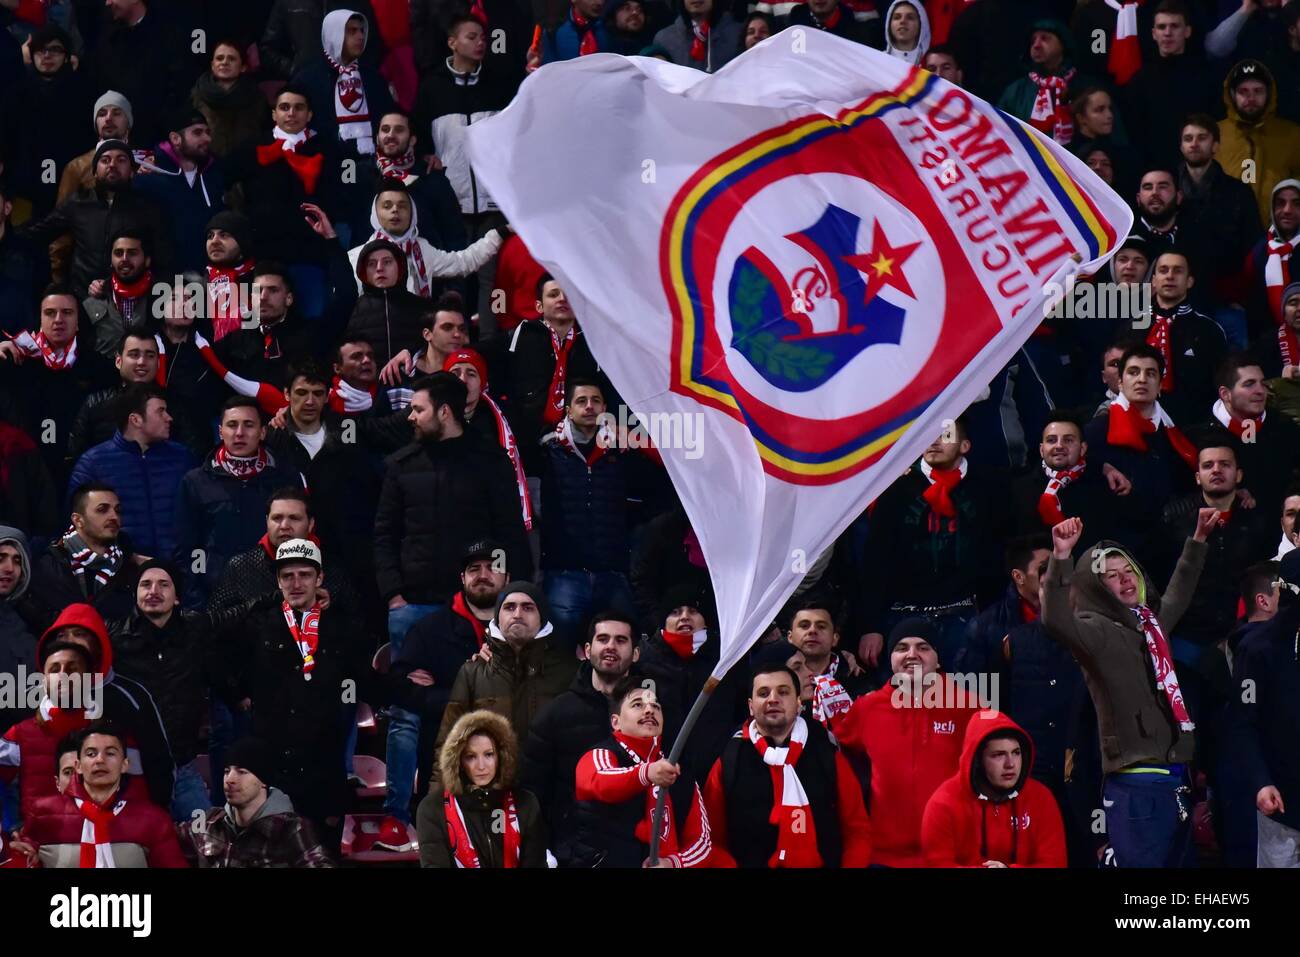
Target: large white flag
819, 253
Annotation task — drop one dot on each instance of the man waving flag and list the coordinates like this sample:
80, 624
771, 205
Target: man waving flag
819, 254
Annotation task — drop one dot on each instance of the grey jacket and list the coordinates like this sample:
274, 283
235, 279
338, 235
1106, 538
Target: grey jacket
724, 44
17, 643
1133, 716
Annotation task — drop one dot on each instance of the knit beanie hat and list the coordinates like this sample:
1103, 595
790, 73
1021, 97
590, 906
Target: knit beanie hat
113, 98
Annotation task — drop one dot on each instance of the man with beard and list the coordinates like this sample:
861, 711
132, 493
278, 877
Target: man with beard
574, 723
94, 215
185, 180
435, 202
1159, 205
1269, 270
228, 250
1215, 201
112, 119
124, 301
628, 29
617, 785
781, 795
1254, 132
421, 676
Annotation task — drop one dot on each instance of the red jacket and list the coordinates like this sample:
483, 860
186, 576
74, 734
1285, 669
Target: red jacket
962, 828
912, 751
28, 747
517, 274
141, 834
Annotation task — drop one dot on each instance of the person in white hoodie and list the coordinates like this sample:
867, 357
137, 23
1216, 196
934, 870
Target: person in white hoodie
393, 217
907, 31
349, 96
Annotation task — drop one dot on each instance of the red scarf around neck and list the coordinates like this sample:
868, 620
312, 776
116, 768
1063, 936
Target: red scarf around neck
1277, 271
682, 643
461, 607
126, 294
224, 299
1159, 338
1288, 343
1162, 661
939, 495
462, 848
1051, 111
96, 840
830, 22
587, 42
306, 636
242, 467
306, 168
700, 41
555, 392
1049, 503
1128, 429
1235, 425
796, 842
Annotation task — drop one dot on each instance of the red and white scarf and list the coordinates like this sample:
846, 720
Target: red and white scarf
85, 561
1288, 344
829, 697
1235, 425
587, 41
1128, 428
685, 644
796, 846
351, 111
1049, 503
506, 438
942, 482
96, 842
700, 41
645, 752
224, 299
127, 296
1159, 339
306, 635
462, 848
1163, 662
396, 168
348, 398
1051, 112
1277, 271
242, 467
33, 345
554, 410
269, 399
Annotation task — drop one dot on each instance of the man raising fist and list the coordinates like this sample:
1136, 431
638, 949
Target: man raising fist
1117, 631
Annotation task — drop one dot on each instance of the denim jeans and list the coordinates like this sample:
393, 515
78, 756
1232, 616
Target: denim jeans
190, 794
403, 726
574, 595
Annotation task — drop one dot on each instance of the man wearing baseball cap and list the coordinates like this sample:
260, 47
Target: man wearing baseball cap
186, 182
423, 672
524, 668
1254, 132
291, 671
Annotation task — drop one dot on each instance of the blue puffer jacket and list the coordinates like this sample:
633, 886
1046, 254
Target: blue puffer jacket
146, 483
584, 507
222, 516
1038, 680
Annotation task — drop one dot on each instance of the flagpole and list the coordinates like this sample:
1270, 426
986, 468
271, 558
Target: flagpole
691, 717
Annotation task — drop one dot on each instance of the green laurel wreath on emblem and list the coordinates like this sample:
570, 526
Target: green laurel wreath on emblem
790, 361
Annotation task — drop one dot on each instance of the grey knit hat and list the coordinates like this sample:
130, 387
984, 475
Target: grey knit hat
113, 98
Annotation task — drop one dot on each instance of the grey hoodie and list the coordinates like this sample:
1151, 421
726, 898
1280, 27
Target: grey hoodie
17, 643
277, 802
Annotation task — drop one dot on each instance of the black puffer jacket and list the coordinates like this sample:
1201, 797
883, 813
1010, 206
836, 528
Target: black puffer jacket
391, 319
584, 524
177, 663
437, 498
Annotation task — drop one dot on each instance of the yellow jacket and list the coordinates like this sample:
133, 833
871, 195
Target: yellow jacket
1271, 142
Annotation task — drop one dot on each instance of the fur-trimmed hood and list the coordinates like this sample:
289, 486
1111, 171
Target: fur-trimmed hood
479, 722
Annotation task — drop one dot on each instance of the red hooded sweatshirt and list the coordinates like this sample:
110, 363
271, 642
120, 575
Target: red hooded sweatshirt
912, 751
963, 828
28, 747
